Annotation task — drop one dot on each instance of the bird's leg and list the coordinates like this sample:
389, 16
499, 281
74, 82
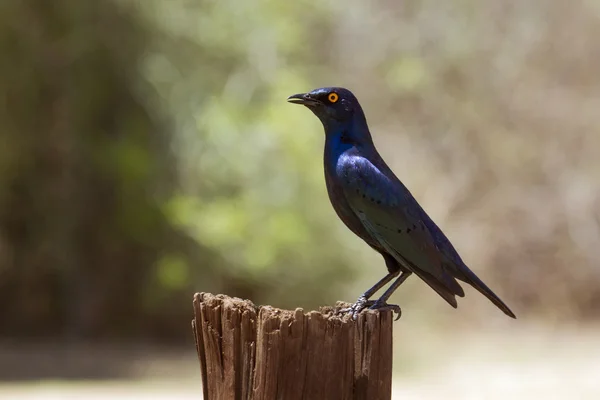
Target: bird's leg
363, 300
381, 303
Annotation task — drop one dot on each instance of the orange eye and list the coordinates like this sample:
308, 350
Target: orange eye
333, 97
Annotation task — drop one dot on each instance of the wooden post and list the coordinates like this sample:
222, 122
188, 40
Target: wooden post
250, 353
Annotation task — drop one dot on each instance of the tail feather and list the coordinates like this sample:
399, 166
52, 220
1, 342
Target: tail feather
457, 268
466, 275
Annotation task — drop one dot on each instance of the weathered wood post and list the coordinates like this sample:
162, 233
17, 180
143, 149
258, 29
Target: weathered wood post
250, 353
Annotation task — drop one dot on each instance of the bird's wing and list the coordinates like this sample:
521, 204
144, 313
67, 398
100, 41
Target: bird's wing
393, 217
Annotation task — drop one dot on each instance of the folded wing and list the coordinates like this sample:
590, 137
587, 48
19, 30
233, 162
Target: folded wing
391, 215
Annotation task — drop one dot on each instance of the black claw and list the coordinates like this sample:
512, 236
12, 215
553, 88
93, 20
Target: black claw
384, 306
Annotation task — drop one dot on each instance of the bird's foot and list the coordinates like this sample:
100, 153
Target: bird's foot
382, 305
357, 307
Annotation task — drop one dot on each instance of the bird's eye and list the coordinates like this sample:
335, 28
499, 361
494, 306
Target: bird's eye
333, 97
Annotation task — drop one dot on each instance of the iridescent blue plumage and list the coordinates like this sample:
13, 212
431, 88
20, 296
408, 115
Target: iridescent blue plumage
378, 208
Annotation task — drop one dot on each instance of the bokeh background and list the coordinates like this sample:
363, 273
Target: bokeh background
147, 152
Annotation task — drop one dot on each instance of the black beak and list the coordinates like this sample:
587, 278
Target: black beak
304, 99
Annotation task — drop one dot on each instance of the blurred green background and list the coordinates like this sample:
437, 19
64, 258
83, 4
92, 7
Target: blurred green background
147, 152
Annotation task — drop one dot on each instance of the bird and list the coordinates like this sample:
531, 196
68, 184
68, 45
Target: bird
376, 206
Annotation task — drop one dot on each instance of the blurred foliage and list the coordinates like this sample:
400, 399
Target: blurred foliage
84, 171
97, 237
147, 152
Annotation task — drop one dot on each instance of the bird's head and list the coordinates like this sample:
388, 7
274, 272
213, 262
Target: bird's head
334, 106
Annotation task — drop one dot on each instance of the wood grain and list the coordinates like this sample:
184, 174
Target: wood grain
251, 353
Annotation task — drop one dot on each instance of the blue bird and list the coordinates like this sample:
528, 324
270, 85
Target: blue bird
378, 208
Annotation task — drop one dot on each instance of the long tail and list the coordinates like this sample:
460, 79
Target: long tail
466, 275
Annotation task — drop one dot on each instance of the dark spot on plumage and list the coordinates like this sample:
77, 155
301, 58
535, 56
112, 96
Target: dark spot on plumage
364, 196
399, 230
408, 230
378, 201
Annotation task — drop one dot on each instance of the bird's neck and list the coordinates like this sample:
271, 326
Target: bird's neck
341, 138
354, 132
